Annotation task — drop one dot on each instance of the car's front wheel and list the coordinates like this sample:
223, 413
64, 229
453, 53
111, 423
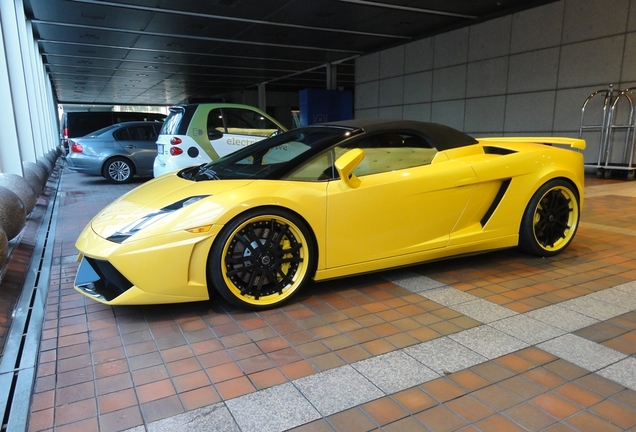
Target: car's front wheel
262, 258
118, 170
550, 219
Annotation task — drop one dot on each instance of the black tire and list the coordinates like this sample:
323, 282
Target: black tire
118, 170
262, 258
551, 219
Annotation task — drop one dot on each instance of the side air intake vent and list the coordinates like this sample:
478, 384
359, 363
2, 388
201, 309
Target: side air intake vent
498, 150
493, 206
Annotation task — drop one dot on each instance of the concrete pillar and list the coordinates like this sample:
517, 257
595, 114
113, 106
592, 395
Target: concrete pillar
10, 161
51, 112
332, 77
17, 81
32, 82
262, 97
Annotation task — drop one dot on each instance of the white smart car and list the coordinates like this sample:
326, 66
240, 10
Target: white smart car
195, 134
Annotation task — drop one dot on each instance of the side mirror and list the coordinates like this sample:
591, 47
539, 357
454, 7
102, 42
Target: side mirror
345, 165
214, 134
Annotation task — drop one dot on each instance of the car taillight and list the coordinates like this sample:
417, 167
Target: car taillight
175, 140
76, 148
175, 151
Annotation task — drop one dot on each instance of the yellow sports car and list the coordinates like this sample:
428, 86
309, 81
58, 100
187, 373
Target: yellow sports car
327, 201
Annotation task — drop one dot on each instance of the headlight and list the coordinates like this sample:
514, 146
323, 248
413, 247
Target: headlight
147, 220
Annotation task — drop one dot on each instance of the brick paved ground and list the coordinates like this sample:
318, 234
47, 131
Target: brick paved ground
104, 368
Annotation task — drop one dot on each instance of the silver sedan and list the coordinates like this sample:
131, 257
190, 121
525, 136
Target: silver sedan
116, 152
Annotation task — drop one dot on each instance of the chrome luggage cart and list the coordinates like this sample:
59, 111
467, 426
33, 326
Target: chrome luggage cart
615, 126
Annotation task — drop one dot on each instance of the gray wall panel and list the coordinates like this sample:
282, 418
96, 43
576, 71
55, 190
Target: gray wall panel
537, 28
485, 115
451, 48
534, 71
391, 91
487, 78
392, 62
450, 113
490, 39
529, 112
449, 83
418, 56
418, 87
591, 19
592, 62
420, 112
525, 74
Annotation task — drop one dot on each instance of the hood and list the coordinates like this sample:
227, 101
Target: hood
153, 196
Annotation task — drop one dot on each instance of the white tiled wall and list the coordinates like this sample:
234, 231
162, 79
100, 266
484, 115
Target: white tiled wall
523, 74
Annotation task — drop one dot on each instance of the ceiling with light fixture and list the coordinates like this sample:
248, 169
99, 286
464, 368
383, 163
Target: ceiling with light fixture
162, 52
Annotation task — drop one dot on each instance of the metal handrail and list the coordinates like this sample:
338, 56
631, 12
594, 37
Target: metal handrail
612, 103
628, 127
603, 127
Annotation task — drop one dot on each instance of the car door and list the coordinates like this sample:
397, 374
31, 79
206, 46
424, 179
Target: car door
140, 142
398, 207
240, 127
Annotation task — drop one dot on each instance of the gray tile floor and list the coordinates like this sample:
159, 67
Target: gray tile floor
293, 404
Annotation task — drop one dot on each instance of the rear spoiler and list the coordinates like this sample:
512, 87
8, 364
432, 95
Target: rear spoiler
576, 143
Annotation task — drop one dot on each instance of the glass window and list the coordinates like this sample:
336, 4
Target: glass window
215, 123
387, 152
247, 122
382, 153
171, 125
122, 135
319, 168
142, 133
275, 157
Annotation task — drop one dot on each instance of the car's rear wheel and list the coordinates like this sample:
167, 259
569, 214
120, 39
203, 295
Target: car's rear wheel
118, 170
262, 258
550, 219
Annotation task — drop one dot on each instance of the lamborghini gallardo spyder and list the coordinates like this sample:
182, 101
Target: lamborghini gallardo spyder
328, 201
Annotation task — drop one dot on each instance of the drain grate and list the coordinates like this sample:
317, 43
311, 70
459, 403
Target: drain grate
19, 360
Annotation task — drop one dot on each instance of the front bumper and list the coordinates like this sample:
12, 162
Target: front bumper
169, 268
100, 280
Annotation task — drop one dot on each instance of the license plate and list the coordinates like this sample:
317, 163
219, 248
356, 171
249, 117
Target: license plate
160, 148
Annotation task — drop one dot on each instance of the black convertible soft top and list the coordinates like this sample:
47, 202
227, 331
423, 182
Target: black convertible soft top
442, 137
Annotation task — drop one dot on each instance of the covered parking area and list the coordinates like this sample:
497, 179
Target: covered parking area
499, 341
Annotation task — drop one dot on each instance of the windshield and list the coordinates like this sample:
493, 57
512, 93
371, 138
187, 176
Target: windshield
271, 158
